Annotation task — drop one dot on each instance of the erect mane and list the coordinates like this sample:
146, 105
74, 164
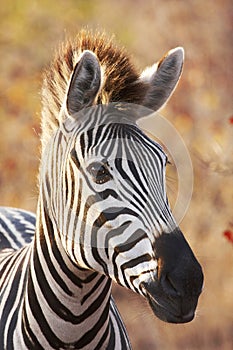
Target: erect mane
120, 79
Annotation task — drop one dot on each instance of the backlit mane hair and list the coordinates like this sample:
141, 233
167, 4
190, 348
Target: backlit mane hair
120, 80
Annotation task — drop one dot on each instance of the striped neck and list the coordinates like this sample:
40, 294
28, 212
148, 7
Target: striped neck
70, 304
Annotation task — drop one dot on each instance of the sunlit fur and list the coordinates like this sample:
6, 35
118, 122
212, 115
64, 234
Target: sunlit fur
120, 79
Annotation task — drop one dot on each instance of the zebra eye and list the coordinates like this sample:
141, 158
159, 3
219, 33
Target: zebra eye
99, 172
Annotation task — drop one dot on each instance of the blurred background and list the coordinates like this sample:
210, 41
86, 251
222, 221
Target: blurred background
200, 109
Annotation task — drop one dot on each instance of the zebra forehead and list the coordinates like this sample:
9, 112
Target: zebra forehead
124, 134
108, 131
120, 141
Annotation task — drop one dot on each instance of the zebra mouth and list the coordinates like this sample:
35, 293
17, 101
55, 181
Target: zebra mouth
167, 309
166, 315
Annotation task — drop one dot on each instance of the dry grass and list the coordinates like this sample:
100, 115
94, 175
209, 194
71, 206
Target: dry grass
200, 109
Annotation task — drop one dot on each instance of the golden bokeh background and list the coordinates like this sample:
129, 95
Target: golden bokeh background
200, 109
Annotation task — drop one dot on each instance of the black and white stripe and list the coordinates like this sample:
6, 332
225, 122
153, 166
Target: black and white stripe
51, 284
55, 298
30, 284
102, 215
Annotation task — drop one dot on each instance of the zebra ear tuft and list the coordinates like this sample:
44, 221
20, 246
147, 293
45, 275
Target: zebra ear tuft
162, 78
84, 84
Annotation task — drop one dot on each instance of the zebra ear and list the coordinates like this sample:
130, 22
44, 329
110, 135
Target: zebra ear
85, 83
162, 78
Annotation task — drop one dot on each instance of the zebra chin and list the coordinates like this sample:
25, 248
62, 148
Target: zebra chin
167, 309
174, 291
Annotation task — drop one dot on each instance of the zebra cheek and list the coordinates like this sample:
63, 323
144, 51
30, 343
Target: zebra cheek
132, 263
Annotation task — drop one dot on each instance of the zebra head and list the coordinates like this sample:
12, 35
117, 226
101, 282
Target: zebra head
107, 191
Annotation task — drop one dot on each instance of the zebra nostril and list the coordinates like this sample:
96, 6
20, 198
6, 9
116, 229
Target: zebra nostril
169, 286
167, 282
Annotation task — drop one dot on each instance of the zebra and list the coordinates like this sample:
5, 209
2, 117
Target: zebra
102, 214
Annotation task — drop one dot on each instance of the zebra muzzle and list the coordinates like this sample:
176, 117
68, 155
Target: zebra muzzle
174, 291
166, 308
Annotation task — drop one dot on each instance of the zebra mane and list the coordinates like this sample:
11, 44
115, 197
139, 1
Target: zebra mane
120, 78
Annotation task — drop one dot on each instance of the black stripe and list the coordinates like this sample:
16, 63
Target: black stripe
133, 262
9, 304
8, 260
82, 237
115, 232
99, 346
125, 176
55, 303
136, 261
90, 277
136, 237
111, 344
82, 144
136, 175
80, 187
15, 316
93, 289
127, 245
123, 333
99, 222
49, 295
56, 252
35, 307
29, 337
91, 334
108, 141
6, 242
74, 157
53, 271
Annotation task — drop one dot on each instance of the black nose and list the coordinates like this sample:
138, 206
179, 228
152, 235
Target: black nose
178, 268
182, 287
174, 292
